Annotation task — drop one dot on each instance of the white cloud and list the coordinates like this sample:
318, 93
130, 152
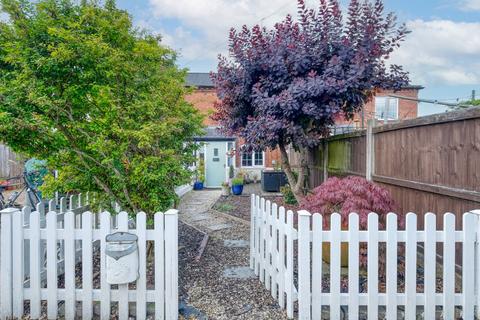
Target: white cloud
441, 52
471, 5
205, 24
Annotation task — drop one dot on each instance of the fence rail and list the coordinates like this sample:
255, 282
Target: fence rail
272, 257
75, 240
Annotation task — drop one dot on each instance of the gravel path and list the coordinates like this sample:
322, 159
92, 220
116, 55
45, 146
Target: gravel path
210, 285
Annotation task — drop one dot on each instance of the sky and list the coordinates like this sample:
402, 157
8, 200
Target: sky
442, 53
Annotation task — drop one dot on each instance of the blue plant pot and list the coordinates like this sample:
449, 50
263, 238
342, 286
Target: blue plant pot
237, 190
198, 185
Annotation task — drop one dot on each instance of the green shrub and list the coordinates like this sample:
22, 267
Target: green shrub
288, 195
237, 182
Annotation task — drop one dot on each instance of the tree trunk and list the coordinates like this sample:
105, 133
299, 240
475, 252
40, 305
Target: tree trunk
297, 185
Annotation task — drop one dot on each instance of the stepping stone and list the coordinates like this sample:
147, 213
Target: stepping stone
190, 312
239, 273
236, 243
217, 227
200, 217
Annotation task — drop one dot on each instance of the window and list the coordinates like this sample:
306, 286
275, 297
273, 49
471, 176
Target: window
252, 159
386, 108
246, 159
258, 158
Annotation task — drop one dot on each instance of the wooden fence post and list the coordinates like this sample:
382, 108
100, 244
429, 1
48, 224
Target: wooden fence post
325, 160
370, 152
6, 285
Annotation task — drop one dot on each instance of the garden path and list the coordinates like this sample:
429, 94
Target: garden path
221, 285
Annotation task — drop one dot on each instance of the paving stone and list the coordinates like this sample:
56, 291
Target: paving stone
200, 217
236, 243
238, 273
217, 227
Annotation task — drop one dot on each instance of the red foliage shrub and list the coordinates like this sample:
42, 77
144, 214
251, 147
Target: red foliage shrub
350, 194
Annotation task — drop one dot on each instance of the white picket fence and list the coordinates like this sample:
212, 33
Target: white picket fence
72, 241
272, 256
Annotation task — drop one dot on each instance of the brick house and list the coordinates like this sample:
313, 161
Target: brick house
218, 151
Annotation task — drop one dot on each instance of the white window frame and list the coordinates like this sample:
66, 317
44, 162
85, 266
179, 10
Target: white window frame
378, 115
253, 160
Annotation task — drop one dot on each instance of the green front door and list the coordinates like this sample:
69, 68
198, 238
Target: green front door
215, 163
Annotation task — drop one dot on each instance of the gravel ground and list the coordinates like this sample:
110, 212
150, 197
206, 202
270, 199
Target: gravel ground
206, 288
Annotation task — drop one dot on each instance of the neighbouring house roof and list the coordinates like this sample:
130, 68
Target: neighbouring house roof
203, 80
199, 80
213, 134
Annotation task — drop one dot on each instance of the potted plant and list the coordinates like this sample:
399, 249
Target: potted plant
200, 176
225, 188
347, 195
237, 186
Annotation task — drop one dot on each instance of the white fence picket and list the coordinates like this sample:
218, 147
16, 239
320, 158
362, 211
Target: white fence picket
274, 248
52, 265
18, 275
159, 248
142, 265
304, 281
35, 265
289, 287
468, 265
353, 266
252, 231
449, 266
268, 244
317, 264
281, 257
87, 267
105, 225
391, 266
123, 288
171, 264
6, 262
430, 272
70, 250
256, 226
262, 241
335, 256
411, 266
372, 266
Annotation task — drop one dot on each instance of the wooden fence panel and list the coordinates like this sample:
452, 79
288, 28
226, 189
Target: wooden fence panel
428, 163
11, 165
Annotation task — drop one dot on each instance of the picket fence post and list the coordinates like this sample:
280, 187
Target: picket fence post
171, 264
6, 289
477, 261
304, 288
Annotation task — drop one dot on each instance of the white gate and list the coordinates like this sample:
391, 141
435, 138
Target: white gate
72, 241
273, 253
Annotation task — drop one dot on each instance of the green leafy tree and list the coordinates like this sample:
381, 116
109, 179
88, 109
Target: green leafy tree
101, 101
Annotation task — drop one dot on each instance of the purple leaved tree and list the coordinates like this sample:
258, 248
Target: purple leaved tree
287, 86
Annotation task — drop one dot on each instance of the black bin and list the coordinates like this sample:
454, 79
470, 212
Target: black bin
273, 180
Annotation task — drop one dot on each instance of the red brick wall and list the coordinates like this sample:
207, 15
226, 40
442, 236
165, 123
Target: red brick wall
204, 100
